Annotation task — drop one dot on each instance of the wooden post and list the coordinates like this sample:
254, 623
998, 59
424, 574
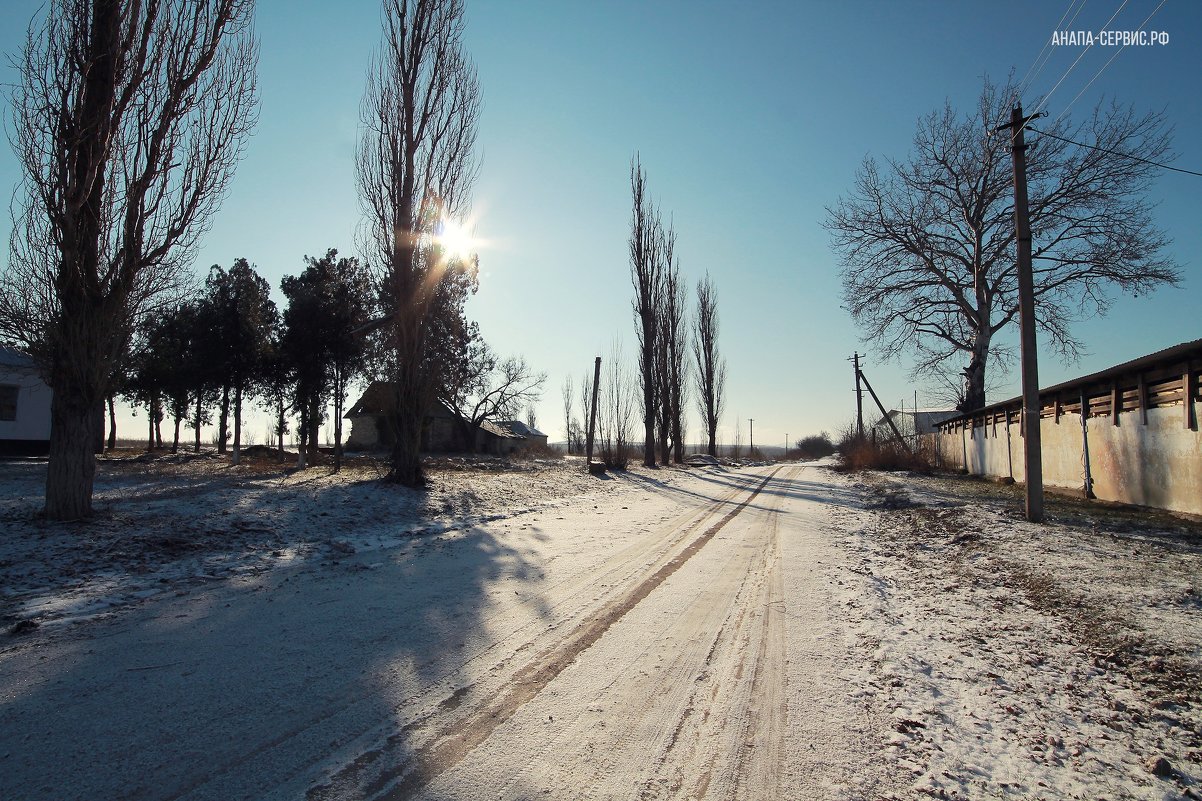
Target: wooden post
859, 398
1188, 390
1033, 461
1142, 390
1116, 402
1085, 444
592, 417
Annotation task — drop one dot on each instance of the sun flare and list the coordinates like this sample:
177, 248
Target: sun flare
457, 241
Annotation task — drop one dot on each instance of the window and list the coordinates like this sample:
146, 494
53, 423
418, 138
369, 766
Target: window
8, 401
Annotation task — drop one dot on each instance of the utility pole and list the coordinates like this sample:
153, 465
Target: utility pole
751, 422
1033, 461
592, 417
859, 398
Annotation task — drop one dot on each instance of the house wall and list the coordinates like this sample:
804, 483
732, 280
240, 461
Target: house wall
1156, 464
30, 432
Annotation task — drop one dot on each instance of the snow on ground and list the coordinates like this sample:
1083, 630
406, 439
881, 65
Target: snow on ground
982, 656
165, 522
1027, 661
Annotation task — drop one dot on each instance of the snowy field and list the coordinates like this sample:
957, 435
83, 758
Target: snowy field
522, 631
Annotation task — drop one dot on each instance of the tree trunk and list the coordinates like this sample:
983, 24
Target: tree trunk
974, 377
196, 425
279, 424
314, 429
158, 419
337, 422
223, 431
648, 394
237, 424
112, 401
149, 426
302, 433
175, 437
72, 469
677, 435
712, 448
407, 419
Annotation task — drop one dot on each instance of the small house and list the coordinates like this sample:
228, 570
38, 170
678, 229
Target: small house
443, 431
24, 406
532, 436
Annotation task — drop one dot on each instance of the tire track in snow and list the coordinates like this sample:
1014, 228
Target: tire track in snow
448, 746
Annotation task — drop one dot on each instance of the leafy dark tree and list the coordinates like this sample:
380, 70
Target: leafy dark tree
301, 344
245, 317
710, 375
340, 297
928, 245
128, 119
277, 382
414, 170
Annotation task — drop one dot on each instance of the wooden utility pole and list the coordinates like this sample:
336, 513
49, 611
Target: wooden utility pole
592, 417
859, 398
751, 422
1032, 458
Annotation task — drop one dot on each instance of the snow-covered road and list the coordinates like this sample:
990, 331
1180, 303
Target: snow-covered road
665, 640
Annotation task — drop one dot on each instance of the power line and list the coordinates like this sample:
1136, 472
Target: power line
1041, 60
1107, 64
1116, 153
1083, 52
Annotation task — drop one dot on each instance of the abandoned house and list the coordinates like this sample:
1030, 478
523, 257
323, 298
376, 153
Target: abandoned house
532, 436
443, 431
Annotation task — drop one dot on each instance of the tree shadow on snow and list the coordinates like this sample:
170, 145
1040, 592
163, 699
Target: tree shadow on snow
265, 684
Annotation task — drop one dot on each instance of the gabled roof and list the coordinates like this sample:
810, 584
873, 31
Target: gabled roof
520, 429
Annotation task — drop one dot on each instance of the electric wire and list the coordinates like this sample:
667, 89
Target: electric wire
1107, 64
1115, 152
1042, 59
1083, 52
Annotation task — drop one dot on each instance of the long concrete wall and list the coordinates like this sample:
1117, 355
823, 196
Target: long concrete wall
1156, 464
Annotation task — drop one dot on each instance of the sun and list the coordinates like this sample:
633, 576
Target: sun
456, 240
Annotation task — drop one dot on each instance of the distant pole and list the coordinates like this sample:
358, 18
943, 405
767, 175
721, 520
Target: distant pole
1032, 459
786, 444
751, 422
592, 416
859, 398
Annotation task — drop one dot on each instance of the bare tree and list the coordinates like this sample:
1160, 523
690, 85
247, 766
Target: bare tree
566, 392
128, 119
586, 405
493, 389
615, 407
710, 375
414, 170
672, 344
645, 274
928, 246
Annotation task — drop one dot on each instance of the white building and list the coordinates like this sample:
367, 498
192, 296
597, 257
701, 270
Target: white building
24, 406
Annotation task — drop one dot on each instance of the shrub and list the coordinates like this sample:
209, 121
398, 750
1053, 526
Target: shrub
815, 446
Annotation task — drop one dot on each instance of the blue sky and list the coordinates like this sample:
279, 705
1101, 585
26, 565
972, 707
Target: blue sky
750, 119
